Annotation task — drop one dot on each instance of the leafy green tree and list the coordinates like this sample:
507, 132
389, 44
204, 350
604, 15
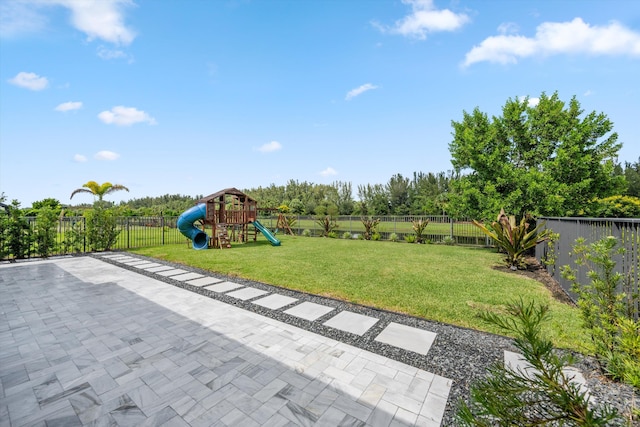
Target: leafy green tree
101, 228
632, 175
98, 190
18, 233
374, 200
45, 232
546, 160
615, 207
398, 190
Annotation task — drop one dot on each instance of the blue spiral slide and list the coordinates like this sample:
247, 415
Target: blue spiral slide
186, 227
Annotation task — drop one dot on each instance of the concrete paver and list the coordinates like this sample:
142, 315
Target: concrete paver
309, 310
204, 281
351, 322
223, 287
275, 301
407, 338
87, 343
172, 272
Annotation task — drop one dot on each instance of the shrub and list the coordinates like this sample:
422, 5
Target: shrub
370, 225
332, 235
410, 238
101, 228
376, 236
346, 235
608, 314
419, 227
393, 237
616, 207
327, 223
540, 395
74, 238
448, 240
45, 233
306, 232
514, 240
18, 233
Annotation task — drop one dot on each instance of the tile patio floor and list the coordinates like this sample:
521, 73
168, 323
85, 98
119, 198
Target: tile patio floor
86, 342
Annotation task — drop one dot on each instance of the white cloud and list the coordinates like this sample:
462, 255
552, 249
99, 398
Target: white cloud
533, 102
329, 172
423, 19
106, 53
589, 92
106, 155
553, 38
98, 19
79, 158
270, 147
69, 106
30, 81
125, 116
359, 91
18, 18
508, 28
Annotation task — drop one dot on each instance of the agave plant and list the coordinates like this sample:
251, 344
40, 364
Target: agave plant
514, 240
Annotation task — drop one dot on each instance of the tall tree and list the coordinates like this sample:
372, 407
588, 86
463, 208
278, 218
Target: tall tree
398, 191
632, 175
98, 190
545, 159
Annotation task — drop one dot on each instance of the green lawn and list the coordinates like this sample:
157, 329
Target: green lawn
449, 284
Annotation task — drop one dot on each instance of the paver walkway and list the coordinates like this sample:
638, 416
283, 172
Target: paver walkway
85, 342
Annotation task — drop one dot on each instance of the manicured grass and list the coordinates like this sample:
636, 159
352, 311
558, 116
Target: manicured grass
449, 284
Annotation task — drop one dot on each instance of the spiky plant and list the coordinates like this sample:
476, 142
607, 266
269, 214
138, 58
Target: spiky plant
514, 240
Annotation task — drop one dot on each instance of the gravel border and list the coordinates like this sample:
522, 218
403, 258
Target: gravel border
460, 354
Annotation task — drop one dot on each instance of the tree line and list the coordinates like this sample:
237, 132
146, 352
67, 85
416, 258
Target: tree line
544, 159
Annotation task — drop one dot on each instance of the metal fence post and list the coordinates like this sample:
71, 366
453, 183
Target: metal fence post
162, 228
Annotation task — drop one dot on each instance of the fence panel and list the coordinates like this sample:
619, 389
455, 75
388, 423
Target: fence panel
627, 231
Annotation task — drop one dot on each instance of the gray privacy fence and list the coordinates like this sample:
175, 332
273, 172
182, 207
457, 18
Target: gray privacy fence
138, 232
627, 231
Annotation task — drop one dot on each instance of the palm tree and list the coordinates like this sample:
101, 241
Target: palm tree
99, 190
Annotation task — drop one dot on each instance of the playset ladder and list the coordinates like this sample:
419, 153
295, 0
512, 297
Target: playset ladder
222, 236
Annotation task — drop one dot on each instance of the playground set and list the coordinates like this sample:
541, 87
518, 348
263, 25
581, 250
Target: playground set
227, 211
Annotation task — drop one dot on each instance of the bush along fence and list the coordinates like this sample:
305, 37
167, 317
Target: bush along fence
46, 235
570, 233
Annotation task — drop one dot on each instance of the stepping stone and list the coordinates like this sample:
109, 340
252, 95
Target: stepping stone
133, 263
157, 269
122, 258
517, 363
112, 255
247, 293
172, 272
147, 264
187, 276
309, 310
351, 322
275, 301
407, 337
204, 281
223, 287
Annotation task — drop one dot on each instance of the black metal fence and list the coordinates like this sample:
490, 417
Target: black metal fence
137, 232
627, 231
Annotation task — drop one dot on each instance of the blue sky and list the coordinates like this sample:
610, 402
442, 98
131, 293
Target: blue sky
190, 97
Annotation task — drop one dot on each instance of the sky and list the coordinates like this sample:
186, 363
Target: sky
191, 97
